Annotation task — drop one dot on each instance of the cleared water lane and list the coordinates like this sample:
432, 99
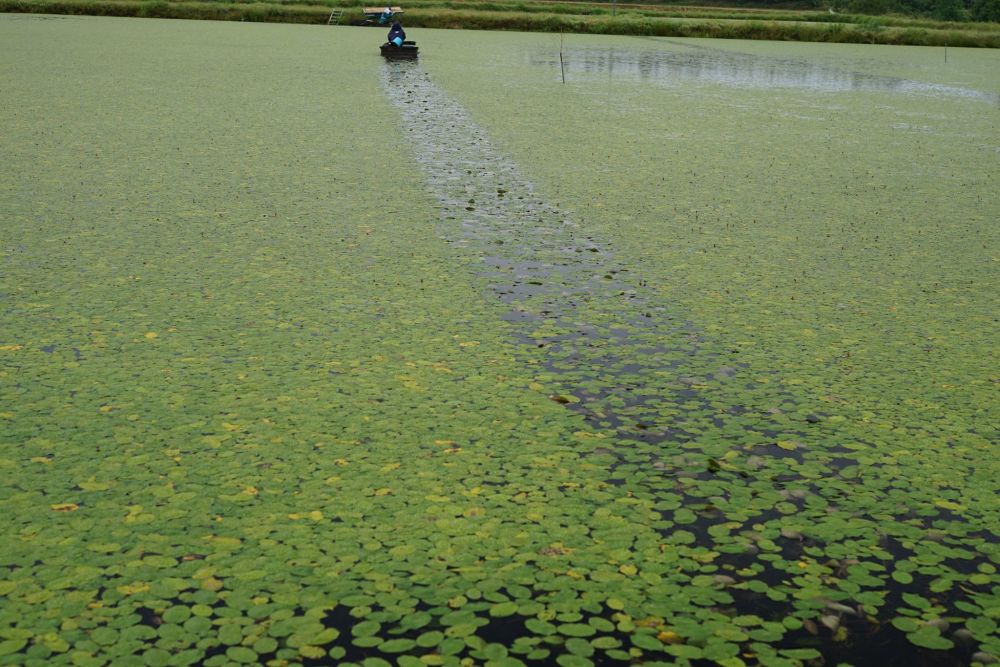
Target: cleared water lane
601, 333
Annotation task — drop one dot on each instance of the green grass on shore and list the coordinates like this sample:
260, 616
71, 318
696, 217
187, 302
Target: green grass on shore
636, 20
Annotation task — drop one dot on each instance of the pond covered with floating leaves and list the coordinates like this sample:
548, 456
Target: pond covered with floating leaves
540, 350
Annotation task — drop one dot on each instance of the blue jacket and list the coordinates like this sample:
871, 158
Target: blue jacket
397, 31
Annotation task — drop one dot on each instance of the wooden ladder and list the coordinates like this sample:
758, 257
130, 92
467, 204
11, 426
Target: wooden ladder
335, 16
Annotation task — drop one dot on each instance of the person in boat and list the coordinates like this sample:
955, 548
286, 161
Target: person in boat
386, 16
397, 35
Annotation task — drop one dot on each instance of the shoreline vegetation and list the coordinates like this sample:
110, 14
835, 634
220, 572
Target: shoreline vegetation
570, 17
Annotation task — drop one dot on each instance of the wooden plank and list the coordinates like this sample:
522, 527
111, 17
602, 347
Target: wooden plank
379, 10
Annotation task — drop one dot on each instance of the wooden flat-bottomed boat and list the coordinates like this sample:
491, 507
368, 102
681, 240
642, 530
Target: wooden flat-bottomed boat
377, 16
408, 51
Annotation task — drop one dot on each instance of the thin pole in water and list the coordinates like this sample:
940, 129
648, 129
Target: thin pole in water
562, 68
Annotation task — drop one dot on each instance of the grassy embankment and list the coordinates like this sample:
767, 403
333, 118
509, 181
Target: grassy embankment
594, 18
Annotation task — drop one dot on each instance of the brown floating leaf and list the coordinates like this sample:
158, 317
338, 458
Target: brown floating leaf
65, 507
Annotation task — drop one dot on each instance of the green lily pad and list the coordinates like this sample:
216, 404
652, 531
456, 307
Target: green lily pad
503, 609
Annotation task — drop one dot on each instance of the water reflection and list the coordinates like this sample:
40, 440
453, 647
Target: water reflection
739, 70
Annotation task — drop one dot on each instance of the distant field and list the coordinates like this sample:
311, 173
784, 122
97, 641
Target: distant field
544, 350
569, 17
